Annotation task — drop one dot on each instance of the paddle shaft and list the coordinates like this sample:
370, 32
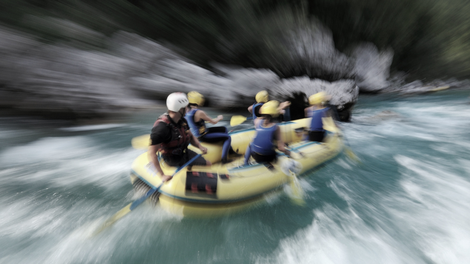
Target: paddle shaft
152, 191
124, 211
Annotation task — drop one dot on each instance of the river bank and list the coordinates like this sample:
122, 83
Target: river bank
63, 81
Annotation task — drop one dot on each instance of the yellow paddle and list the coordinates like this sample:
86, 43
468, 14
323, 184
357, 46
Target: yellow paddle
349, 151
329, 125
124, 211
297, 192
238, 119
291, 167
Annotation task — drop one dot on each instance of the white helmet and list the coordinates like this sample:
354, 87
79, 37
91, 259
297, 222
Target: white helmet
176, 101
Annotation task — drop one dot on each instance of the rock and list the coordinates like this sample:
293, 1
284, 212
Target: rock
344, 93
372, 67
70, 82
312, 49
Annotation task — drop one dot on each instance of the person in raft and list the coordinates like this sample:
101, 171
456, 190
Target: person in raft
171, 137
262, 148
317, 110
261, 98
197, 123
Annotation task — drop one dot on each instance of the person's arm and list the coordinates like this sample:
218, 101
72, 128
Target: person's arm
202, 115
256, 110
283, 105
152, 156
333, 112
329, 113
257, 120
159, 134
195, 142
250, 109
280, 143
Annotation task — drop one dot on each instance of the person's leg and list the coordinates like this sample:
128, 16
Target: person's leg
316, 136
174, 161
212, 136
264, 158
199, 161
223, 130
247, 154
220, 129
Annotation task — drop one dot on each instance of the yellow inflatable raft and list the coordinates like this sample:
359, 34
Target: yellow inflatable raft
222, 188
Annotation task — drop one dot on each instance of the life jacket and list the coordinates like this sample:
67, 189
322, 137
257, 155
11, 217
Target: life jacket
197, 128
316, 123
253, 110
263, 141
180, 137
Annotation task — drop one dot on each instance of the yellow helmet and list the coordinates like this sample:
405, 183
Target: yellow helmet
270, 108
262, 97
318, 98
196, 98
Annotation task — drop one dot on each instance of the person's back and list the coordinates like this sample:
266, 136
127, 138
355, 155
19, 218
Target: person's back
197, 122
316, 123
265, 135
317, 111
198, 128
262, 148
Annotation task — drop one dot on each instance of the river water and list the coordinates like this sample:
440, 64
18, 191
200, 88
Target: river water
406, 201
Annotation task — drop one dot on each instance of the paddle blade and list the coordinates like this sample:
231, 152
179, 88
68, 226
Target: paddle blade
290, 165
297, 196
329, 124
291, 168
124, 211
141, 142
120, 214
237, 120
143, 198
351, 154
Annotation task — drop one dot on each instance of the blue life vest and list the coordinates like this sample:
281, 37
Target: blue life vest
263, 141
316, 124
253, 110
197, 128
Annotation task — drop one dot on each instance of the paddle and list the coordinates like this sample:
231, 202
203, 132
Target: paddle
291, 168
348, 150
329, 125
238, 119
297, 192
124, 211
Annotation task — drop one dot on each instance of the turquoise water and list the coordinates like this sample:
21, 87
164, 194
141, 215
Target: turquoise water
407, 201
